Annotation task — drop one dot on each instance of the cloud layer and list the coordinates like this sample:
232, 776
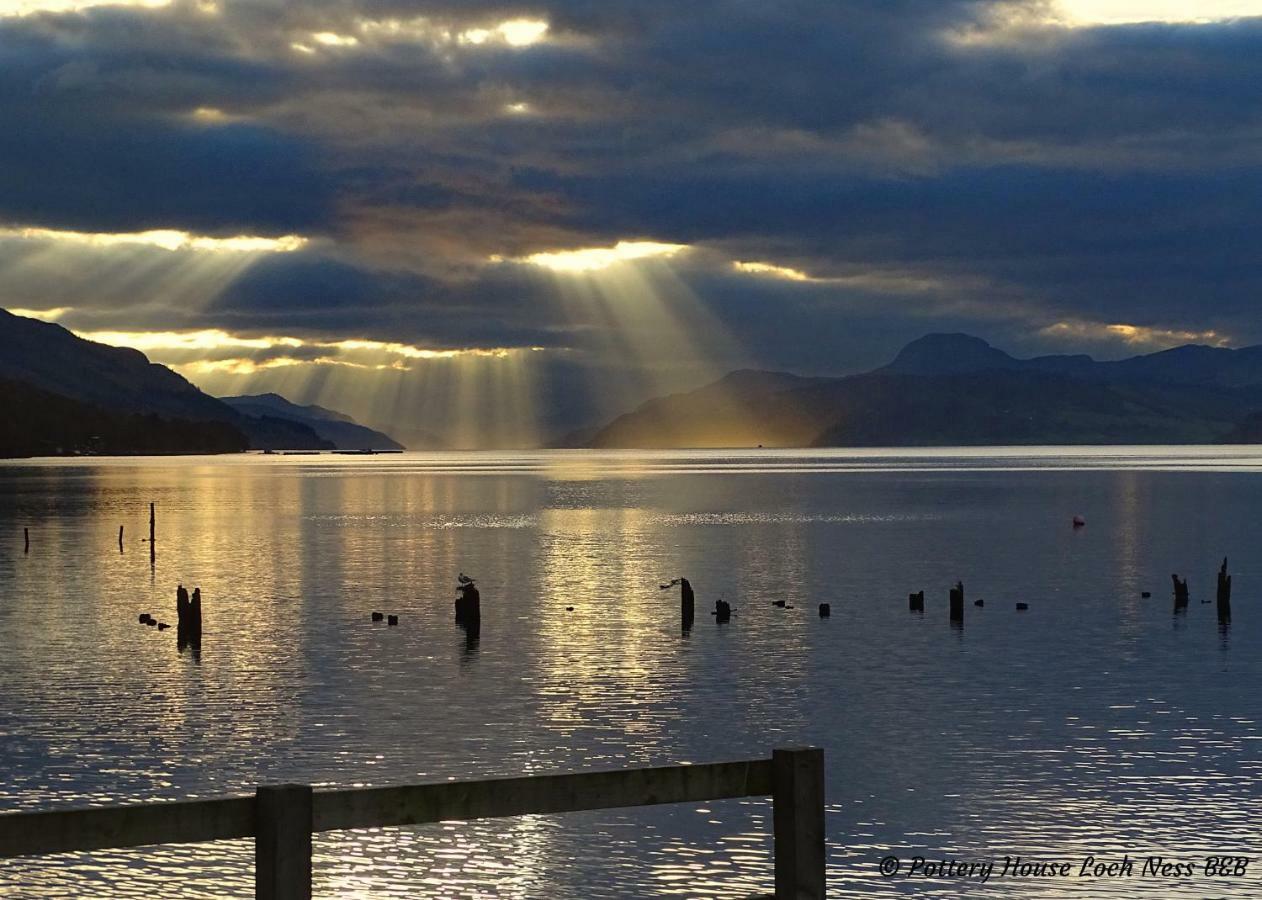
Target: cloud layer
834, 178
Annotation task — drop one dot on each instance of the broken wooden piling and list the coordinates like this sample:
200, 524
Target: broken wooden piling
189, 614
916, 602
468, 602
687, 604
1180, 592
26, 536
957, 602
1224, 593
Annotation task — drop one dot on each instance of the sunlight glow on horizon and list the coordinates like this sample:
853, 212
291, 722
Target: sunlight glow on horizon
1138, 335
211, 339
1127, 12
593, 259
44, 315
763, 268
164, 239
15, 8
514, 33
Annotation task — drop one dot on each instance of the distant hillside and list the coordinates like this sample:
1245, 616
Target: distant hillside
49, 358
337, 428
38, 423
959, 390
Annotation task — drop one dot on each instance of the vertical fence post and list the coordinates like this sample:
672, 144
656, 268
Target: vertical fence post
282, 842
798, 816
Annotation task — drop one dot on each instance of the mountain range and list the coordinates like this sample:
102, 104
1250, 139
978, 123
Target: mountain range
60, 393
339, 429
65, 394
956, 389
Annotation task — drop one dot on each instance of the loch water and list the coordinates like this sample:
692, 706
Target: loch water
1098, 722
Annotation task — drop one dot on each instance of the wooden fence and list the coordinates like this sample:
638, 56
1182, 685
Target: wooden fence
282, 818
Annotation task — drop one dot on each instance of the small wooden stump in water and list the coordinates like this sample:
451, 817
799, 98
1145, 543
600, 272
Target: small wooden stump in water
120, 538
825, 610
26, 536
1180, 592
144, 618
957, 602
1022, 607
378, 617
392, 620
916, 602
1224, 593
722, 611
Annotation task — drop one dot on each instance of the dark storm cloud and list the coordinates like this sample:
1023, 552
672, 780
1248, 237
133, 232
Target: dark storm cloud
1032, 174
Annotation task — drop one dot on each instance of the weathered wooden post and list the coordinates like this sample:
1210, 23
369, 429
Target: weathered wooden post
189, 616
916, 602
798, 820
195, 612
468, 602
957, 602
282, 842
1224, 593
26, 536
722, 611
687, 604
120, 538
1180, 592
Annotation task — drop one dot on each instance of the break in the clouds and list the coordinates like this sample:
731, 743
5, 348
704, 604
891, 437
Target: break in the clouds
377, 202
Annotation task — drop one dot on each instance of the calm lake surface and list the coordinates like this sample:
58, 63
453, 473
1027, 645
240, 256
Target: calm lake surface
1095, 723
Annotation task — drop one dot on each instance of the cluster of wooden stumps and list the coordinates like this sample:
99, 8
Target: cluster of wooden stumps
188, 612
955, 602
1223, 597
722, 611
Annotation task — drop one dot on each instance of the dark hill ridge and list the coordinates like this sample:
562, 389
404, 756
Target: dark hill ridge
950, 354
955, 389
38, 423
45, 357
337, 428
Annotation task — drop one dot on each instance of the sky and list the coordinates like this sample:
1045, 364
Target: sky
486, 223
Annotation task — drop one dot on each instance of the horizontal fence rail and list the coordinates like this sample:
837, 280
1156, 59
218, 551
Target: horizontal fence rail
283, 818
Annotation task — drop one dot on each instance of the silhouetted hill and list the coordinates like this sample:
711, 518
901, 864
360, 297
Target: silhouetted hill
34, 422
338, 428
955, 389
49, 358
949, 354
